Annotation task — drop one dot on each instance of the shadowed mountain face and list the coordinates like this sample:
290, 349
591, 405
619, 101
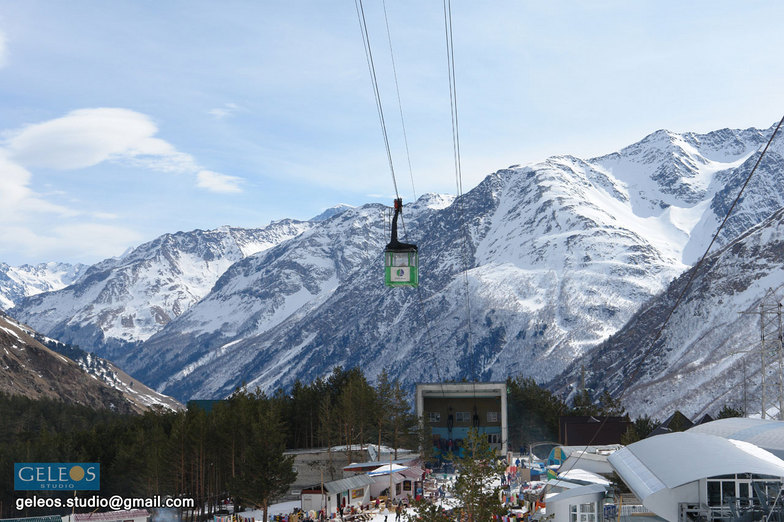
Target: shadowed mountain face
35, 371
523, 275
708, 355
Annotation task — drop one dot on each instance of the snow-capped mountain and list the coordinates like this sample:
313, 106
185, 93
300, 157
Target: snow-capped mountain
18, 282
560, 255
123, 301
708, 355
522, 275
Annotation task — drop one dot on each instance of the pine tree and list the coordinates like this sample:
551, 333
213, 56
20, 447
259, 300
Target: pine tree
264, 471
476, 472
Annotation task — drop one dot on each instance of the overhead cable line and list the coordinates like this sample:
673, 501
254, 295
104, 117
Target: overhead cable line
399, 102
450, 52
372, 69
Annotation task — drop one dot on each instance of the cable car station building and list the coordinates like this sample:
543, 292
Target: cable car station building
450, 410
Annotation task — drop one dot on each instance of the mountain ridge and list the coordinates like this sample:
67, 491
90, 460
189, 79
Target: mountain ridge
560, 254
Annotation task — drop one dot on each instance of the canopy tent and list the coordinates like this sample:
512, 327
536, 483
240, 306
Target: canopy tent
387, 469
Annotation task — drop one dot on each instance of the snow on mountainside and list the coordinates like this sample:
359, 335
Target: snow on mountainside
560, 255
125, 300
708, 355
18, 282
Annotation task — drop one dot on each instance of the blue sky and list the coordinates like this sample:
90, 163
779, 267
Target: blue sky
123, 120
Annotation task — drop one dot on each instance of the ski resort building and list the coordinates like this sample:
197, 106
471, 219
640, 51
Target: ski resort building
765, 433
338, 494
450, 410
693, 476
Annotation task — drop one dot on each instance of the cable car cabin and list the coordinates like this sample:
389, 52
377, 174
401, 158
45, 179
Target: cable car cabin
401, 260
401, 267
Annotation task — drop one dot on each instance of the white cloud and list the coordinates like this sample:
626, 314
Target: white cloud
19, 201
34, 226
216, 182
3, 50
72, 241
86, 137
228, 109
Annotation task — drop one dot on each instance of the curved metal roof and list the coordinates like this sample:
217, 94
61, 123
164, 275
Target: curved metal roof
767, 434
672, 460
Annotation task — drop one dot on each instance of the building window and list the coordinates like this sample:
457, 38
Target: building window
463, 416
492, 416
493, 438
739, 489
582, 512
433, 417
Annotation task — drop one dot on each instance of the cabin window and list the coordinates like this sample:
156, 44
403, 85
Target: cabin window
400, 259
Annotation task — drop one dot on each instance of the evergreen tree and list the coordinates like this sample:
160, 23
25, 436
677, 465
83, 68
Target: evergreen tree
477, 470
727, 412
533, 412
264, 472
639, 429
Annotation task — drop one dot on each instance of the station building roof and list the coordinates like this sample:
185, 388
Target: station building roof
764, 433
675, 459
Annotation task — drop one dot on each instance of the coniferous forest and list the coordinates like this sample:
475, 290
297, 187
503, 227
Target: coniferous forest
232, 448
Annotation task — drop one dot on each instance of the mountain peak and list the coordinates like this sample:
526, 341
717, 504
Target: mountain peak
332, 211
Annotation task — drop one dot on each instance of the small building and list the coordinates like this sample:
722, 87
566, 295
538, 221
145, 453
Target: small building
404, 481
591, 429
583, 504
317, 465
450, 410
692, 476
47, 518
338, 494
674, 423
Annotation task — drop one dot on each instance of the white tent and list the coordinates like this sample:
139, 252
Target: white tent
386, 469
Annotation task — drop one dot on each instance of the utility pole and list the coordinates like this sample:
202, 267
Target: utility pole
762, 356
770, 309
745, 394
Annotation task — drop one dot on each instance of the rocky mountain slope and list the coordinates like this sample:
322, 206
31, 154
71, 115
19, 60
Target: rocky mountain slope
33, 370
140, 396
121, 302
708, 355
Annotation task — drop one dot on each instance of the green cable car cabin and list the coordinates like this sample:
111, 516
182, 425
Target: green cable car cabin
401, 260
